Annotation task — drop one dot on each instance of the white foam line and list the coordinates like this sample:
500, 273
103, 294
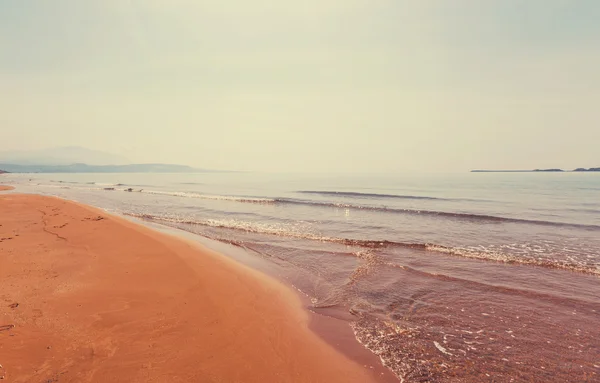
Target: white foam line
442, 349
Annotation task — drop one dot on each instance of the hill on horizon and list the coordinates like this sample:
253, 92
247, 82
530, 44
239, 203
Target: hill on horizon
84, 168
75, 159
60, 156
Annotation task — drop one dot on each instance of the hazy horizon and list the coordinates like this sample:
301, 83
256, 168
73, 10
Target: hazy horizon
335, 86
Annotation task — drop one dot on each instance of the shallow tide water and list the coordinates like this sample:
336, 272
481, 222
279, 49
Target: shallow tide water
477, 277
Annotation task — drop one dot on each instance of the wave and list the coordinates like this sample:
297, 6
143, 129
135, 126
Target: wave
267, 229
258, 200
481, 218
477, 218
584, 210
512, 259
374, 195
462, 216
263, 228
104, 184
112, 184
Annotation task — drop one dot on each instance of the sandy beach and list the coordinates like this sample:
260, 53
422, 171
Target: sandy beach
90, 297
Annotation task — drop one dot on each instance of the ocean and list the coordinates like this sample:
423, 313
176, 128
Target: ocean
475, 277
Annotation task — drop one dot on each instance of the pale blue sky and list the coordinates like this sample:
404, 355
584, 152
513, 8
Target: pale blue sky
318, 85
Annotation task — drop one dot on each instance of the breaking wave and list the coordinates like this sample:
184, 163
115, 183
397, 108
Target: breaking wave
278, 230
482, 218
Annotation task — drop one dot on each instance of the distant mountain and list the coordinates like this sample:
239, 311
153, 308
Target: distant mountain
75, 159
84, 168
61, 156
537, 170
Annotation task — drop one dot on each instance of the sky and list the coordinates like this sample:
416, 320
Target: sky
310, 86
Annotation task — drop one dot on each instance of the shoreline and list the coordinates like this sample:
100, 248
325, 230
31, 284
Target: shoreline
95, 297
426, 313
331, 328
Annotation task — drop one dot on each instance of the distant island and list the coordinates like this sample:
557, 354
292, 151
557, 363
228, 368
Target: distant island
537, 170
84, 168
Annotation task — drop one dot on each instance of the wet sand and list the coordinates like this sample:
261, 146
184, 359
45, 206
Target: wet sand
89, 297
5, 188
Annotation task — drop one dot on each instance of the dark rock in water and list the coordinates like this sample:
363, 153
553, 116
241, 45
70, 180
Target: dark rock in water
109, 189
129, 190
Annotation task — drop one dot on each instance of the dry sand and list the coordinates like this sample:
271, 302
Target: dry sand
89, 297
